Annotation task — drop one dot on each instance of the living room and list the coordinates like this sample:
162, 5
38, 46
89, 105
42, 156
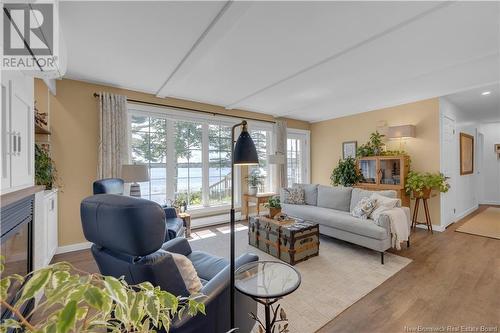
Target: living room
263, 166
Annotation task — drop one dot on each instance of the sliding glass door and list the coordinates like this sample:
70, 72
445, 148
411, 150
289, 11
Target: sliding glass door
297, 152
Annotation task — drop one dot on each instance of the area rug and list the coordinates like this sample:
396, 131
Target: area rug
486, 224
341, 275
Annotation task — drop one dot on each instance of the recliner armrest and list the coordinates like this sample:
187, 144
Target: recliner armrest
178, 245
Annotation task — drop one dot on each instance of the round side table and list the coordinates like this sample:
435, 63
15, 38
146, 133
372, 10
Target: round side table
267, 282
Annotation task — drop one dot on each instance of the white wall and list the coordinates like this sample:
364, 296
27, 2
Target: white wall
490, 167
462, 198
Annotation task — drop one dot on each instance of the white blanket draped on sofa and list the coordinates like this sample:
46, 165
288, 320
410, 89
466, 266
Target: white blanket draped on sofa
400, 226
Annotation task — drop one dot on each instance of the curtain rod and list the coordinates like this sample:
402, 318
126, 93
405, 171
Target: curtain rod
195, 110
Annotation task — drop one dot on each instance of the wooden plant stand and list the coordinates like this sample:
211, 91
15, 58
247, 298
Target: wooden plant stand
428, 221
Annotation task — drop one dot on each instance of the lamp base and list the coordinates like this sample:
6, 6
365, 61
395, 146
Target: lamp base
135, 190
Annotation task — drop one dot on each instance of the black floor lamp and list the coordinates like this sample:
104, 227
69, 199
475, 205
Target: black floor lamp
242, 153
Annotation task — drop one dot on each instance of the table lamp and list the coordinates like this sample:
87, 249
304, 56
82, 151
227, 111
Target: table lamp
135, 173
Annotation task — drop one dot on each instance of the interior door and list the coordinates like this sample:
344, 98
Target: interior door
22, 131
449, 162
5, 138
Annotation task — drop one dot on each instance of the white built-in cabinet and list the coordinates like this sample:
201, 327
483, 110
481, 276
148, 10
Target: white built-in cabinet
45, 228
18, 133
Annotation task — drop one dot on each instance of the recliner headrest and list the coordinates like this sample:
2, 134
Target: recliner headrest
123, 224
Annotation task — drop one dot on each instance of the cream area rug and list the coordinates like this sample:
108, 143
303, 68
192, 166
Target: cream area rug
486, 224
331, 282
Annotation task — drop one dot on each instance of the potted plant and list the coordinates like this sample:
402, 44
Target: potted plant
274, 206
71, 300
374, 146
254, 180
346, 173
45, 169
420, 185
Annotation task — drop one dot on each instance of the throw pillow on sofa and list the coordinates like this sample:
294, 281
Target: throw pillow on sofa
310, 193
294, 196
188, 273
382, 204
364, 208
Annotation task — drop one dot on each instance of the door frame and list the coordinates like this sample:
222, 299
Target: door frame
448, 199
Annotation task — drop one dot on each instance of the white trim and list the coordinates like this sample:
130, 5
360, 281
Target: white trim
307, 150
439, 228
490, 202
73, 247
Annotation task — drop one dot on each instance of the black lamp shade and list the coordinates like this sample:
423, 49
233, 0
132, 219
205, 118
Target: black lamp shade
244, 150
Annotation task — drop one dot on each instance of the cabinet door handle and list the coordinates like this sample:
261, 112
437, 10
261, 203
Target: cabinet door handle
14, 149
19, 143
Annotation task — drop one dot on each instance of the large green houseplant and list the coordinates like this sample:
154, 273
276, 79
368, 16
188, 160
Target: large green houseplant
421, 184
45, 169
76, 301
346, 173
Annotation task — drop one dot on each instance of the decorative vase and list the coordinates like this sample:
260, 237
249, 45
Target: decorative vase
425, 194
252, 190
273, 212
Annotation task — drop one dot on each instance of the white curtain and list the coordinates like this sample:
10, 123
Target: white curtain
113, 137
280, 130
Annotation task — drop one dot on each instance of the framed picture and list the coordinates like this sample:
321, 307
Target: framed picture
466, 154
497, 149
349, 149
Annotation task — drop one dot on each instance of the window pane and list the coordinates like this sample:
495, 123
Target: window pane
139, 123
219, 142
262, 141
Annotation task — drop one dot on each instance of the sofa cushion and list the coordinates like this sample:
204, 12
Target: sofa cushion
338, 220
310, 193
335, 197
358, 194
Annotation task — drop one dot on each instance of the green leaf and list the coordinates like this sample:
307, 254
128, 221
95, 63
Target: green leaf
94, 297
4, 287
59, 278
137, 308
35, 284
169, 301
116, 290
81, 313
153, 308
67, 318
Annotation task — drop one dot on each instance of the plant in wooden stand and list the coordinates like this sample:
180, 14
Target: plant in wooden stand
274, 205
420, 185
254, 180
70, 300
346, 173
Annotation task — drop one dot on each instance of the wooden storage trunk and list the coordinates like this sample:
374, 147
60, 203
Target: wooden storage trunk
292, 241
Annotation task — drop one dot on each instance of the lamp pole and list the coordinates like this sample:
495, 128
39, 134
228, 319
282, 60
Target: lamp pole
232, 218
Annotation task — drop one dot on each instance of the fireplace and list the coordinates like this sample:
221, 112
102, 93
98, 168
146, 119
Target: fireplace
17, 245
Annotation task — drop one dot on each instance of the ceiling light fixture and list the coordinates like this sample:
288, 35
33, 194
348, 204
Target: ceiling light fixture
485, 93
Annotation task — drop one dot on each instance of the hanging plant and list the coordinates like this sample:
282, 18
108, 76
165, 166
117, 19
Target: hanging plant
346, 173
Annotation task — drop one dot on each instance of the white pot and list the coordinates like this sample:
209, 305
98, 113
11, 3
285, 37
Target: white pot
252, 190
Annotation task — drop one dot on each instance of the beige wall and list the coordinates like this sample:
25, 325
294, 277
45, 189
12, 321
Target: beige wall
74, 127
327, 137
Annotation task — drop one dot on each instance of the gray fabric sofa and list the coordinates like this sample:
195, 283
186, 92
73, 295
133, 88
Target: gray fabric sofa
330, 207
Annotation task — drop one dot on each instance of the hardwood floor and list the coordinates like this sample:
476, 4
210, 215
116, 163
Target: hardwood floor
454, 280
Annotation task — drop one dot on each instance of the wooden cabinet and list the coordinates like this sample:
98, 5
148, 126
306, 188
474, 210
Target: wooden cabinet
17, 137
385, 173
45, 240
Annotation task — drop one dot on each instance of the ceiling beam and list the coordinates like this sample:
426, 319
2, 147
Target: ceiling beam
341, 53
193, 47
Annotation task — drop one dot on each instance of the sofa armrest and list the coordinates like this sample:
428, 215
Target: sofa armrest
170, 212
177, 245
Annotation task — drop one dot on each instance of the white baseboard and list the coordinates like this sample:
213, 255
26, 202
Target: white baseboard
439, 228
492, 202
73, 247
465, 213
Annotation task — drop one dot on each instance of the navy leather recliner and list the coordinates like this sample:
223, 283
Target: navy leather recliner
127, 235
175, 225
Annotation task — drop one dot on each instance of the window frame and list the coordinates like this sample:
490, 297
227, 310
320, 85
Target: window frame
305, 136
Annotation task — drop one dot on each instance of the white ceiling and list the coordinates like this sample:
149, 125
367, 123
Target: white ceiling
305, 60
473, 106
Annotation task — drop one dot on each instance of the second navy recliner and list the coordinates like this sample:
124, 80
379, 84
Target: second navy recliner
128, 240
